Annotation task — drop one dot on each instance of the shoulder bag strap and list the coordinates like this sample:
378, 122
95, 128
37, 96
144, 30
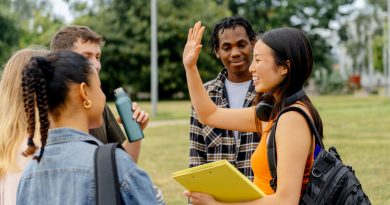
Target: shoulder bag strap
106, 175
271, 142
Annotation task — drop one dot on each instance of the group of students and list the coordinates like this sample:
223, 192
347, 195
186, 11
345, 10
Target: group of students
50, 101
60, 89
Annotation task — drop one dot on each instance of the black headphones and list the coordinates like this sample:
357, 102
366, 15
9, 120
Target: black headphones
264, 108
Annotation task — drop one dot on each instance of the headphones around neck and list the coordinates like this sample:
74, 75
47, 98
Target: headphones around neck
264, 108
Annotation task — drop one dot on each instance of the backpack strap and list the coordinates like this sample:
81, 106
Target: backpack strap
106, 175
271, 141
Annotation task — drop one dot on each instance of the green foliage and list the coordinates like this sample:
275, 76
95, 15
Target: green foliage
24, 23
125, 25
379, 3
378, 43
365, 24
41, 30
330, 83
8, 37
126, 30
311, 16
174, 22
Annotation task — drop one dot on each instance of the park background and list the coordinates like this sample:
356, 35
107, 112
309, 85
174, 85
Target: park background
349, 84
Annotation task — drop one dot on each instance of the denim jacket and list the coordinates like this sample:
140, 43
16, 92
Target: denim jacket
65, 174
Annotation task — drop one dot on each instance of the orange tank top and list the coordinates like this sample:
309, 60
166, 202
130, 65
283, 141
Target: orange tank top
259, 163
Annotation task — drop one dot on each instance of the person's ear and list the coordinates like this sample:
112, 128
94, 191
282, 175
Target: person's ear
83, 89
87, 103
286, 68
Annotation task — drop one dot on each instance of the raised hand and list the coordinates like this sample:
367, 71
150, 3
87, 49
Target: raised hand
193, 45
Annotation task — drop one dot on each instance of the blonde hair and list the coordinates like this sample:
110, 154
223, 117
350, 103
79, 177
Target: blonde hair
13, 126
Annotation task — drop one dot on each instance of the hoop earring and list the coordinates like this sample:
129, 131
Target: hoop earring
87, 104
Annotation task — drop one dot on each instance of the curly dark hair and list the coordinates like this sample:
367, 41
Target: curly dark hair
230, 22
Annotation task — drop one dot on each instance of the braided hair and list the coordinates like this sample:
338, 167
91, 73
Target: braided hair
45, 87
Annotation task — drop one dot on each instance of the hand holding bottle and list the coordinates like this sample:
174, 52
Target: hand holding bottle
141, 116
124, 107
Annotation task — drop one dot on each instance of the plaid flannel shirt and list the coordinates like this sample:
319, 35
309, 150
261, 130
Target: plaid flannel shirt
208, 144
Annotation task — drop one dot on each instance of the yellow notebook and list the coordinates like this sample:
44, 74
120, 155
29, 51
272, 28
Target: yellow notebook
219, 179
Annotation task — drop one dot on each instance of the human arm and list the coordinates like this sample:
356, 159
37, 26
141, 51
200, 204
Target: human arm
135, 184
293, 143
133, 149
208, 113
115, 134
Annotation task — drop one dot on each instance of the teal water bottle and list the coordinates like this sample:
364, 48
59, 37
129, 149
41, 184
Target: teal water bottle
123, 105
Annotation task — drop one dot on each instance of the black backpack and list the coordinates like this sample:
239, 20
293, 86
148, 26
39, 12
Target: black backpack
330, 181
106, 175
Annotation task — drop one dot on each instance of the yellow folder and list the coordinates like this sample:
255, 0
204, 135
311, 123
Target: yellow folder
219, 179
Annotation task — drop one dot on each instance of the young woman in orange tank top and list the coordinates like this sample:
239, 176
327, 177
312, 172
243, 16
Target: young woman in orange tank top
282, 62
261, 170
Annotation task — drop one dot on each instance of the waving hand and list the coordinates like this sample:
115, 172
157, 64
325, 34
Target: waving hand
193, 46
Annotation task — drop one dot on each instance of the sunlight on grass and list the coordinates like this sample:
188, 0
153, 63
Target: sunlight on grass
165, 150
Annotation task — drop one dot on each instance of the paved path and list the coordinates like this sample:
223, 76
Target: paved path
169, 122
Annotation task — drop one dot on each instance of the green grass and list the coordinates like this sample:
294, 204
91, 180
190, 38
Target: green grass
359, 127
167, 110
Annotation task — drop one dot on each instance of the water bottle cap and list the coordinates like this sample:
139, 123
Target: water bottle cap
119, 90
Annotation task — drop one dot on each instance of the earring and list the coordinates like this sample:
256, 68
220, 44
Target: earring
87, 104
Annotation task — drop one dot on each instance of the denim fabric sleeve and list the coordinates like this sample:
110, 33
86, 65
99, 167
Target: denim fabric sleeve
135, 184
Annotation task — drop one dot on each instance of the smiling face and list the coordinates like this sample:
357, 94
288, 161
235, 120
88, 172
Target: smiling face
234, 51
266, 74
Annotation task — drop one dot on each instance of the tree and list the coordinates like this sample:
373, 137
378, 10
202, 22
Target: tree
9, 35
314, 17
362, 27
125, 26
8, 38
24, 23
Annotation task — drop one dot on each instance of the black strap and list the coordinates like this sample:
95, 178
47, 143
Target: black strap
307, 200
271, 144
106, 175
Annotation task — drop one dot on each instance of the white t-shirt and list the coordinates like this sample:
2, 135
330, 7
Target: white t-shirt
10, 181
236, 95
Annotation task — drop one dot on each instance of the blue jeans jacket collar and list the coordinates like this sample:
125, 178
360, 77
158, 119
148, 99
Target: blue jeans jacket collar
63, 135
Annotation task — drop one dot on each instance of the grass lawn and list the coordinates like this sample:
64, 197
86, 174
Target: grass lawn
167, 110
359, 127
